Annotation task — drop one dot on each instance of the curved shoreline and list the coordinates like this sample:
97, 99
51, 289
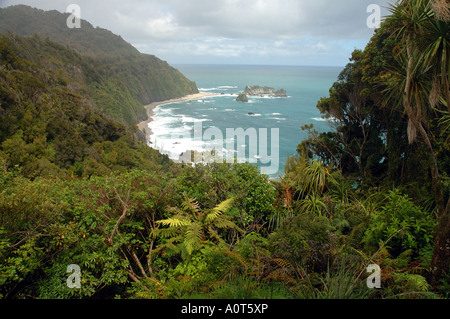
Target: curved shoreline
143, 126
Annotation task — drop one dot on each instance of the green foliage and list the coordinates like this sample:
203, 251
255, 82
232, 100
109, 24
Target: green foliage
389, 110
342, 283
402, 223
53, 224
304, 240
254, 196
77, 187
192, 227
245, 288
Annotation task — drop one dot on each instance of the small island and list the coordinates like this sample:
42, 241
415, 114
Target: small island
261, 91
264, 91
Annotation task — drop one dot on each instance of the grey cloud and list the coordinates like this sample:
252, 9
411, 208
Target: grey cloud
228, 28
225, 18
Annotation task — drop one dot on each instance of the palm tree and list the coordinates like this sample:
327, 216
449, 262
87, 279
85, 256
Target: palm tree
312, 204
424, 80
304, 177
190, 226
316, 177
410, 17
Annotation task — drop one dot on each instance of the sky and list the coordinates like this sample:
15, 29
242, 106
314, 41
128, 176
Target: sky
265, 32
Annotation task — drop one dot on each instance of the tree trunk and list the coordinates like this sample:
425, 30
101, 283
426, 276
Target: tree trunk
435, 176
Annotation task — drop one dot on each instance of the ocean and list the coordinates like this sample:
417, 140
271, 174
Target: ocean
174, 126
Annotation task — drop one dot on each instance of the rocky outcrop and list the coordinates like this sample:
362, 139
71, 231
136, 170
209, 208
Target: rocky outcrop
264, 91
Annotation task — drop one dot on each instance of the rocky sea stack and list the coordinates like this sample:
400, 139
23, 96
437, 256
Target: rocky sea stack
264, 91
261, 91
242, 98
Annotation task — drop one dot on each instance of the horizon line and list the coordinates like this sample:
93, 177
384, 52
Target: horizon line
250, 64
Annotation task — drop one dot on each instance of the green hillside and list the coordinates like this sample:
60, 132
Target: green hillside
118, 77
51, 123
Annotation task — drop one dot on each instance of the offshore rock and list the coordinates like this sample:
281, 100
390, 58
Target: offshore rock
242, 98
264, 91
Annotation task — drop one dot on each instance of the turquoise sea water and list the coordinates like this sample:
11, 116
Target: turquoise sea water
174, 123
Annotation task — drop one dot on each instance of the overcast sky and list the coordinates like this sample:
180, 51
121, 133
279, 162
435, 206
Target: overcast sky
289, 32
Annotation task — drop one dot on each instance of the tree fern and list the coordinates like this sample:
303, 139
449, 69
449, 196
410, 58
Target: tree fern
193, 227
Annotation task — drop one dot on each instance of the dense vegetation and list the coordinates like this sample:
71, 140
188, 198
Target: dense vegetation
78, 188
118, 77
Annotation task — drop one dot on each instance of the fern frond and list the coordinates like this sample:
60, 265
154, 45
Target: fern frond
283, 263
174, 210
224, 223
219, 210
191, 205
193, 238
171, 243
174, 222
167, 232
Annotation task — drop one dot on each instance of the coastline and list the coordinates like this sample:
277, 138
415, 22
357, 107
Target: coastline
143, 126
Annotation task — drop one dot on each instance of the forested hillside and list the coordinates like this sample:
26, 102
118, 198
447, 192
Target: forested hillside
78, 188
118, 76
51, 124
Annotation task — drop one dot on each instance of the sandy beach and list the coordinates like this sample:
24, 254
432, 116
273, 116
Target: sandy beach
143, 126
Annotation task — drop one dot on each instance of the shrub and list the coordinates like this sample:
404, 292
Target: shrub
402, 223
305, 240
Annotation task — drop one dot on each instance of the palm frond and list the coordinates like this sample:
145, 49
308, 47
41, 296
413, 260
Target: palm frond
444, 123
